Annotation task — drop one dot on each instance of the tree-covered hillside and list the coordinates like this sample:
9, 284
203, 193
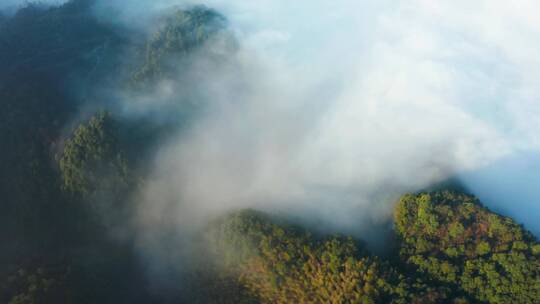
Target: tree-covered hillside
51, 58
180, 33
451, 250
70, 159
72, 164
277, 262
54, 64
452, 238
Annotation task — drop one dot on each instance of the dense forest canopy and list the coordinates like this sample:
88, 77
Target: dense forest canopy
454, 239
451, 250
71, 165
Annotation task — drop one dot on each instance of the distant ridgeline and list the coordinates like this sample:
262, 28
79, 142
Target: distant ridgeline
67, 169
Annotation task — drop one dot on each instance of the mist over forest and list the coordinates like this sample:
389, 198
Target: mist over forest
176, 151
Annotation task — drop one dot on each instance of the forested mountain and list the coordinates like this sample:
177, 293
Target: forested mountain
183, 31
451, 250
72, 161
65, 177
455, 240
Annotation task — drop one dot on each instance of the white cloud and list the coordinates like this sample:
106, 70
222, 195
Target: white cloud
332, 106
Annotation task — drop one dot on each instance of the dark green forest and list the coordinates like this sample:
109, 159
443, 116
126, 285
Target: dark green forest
71, 160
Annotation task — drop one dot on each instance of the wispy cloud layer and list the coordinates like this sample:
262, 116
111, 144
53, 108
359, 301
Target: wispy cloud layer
334, 108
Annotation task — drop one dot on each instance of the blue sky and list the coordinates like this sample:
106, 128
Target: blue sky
511, 187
